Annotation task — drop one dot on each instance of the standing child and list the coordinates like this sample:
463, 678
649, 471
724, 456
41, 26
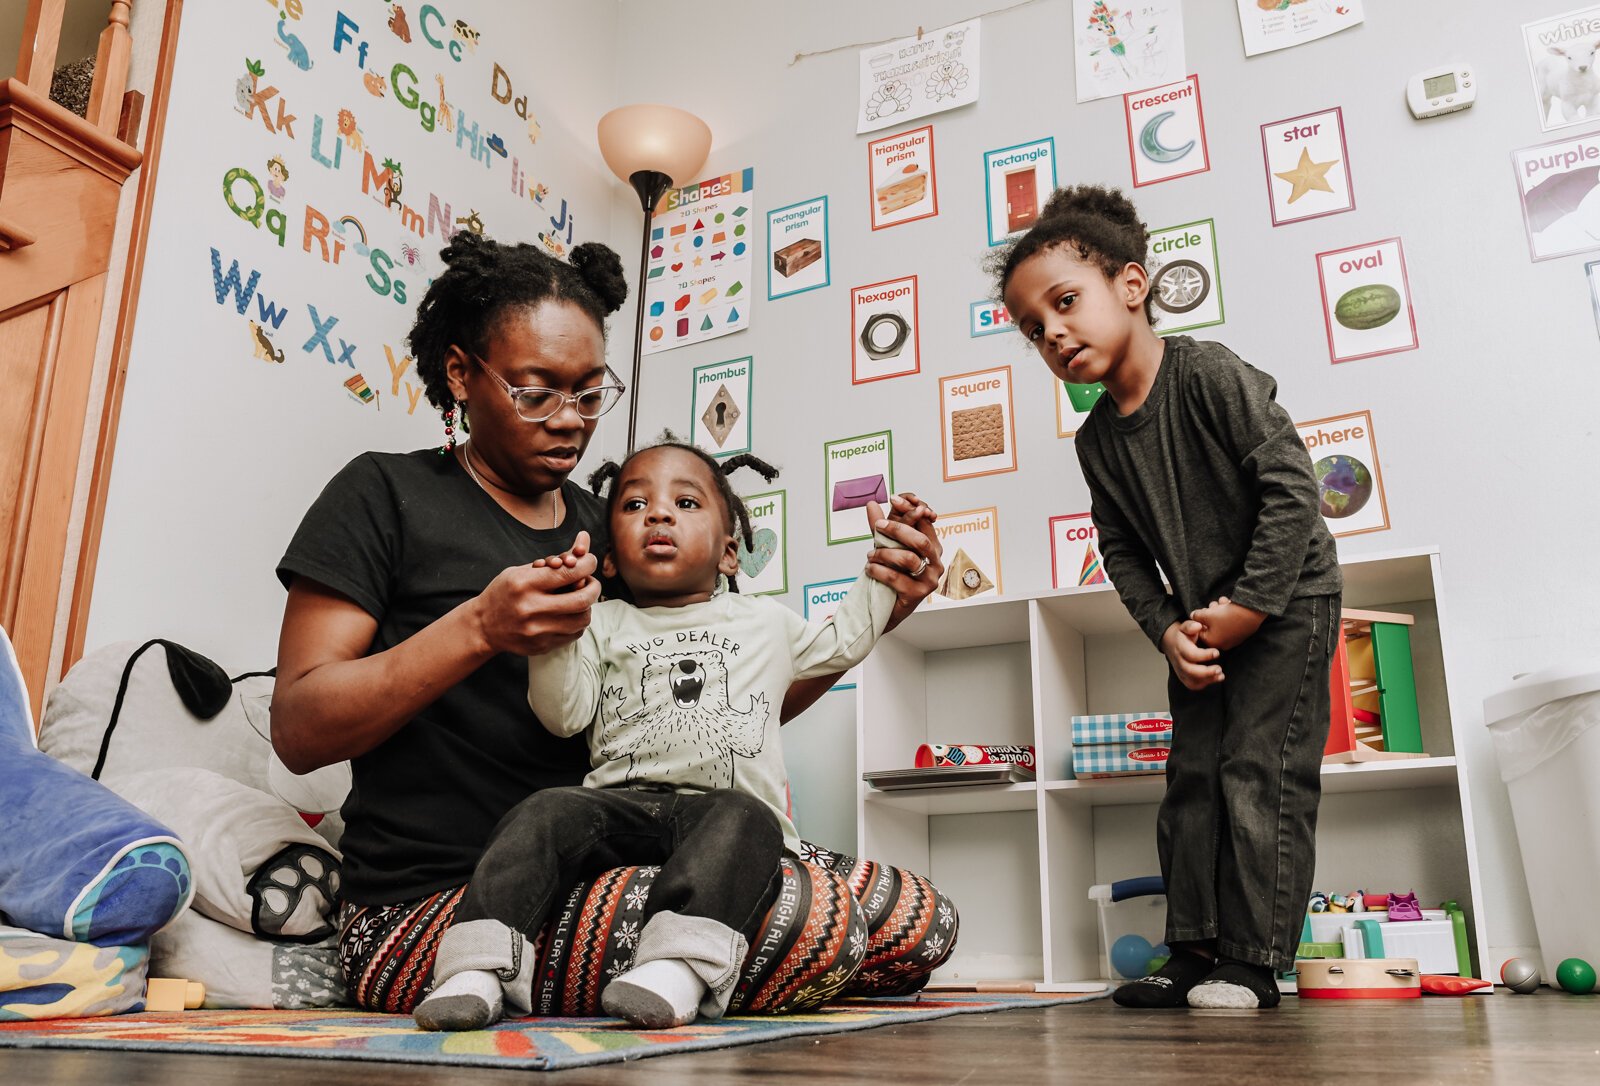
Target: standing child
1194, 468
679, 690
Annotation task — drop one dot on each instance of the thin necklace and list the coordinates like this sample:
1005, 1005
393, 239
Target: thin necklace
466, 459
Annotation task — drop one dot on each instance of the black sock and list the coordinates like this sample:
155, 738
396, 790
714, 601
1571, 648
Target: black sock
1168, 986
1238, 985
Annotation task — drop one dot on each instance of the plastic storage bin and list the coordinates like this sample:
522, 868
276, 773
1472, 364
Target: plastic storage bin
1133, 925
1546, 730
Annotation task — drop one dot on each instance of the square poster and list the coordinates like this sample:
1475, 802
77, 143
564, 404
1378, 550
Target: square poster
1560, 190
1073, 403
821, 601
913, 77
1075, 552
699, 265
1344, 459
1366, 301
971, 542
855, 470
1186, 277
977, 427
1268, 26
1120, 47
901, 176
1308, 167
884, 340
1166, 132
719, 407
797, 238
1017, 181
1561, 60
764, 568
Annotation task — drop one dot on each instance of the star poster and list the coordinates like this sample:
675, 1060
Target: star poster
1308, 167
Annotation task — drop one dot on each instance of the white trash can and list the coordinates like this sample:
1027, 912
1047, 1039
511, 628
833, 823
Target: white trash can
1546, 730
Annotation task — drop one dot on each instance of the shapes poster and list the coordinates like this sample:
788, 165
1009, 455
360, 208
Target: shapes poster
916, 76
1075, 552
1559, 184
1073, 404
1186, 277
1017, 182
855, 471
764, 568
1366, 301
1344, 459
697, 284
900, 174
797, 238
1166, 132
985, 318
971, 541
977, 427
719, 407
1561, 56
1308, 167
884, 340
1268, 25
1120, 47
821, 601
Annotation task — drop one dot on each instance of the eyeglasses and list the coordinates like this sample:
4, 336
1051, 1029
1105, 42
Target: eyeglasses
535, 404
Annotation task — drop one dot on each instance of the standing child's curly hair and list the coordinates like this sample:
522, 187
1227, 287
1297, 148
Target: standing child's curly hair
1099, 224
736, 516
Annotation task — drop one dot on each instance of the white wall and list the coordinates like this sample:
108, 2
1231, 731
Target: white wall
1486, 432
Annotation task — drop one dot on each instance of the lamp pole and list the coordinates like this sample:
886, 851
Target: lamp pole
651, 185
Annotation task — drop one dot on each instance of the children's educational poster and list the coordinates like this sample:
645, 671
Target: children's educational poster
1308, 167
1561, 58
1268, 25
977, 428
1186, 277
985, 318
1075, 552
855, 471
1344, 459
901, 176
1166, 132
764, 568
797, 238
697, 284
1073, 403
971, 542
884, 340
913, 77
719, 407
1366, 301
1017, 182
1559, 184
1122, 46
1591, 271
822, 600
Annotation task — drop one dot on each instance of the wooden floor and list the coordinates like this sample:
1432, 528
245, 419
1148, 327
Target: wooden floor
1543, 1039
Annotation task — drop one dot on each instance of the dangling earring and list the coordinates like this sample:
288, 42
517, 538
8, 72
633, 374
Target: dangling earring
449, 431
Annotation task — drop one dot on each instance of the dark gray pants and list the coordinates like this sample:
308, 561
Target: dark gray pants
1237, 829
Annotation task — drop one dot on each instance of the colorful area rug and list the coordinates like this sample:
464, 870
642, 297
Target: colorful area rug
535, 1044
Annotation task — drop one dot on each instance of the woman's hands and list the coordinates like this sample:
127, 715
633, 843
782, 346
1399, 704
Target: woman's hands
914, 571
530, 610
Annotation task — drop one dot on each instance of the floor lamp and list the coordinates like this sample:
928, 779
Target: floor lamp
653, 148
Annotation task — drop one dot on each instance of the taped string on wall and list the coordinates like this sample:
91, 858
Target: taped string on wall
798, 57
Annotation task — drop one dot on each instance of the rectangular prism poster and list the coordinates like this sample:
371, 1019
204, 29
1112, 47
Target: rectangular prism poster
1120, 46
1073, 403
884, 341
916, 76
1269, 25
821, 601
797, 238
855, 471
1186, 277
1166, 132
764, 568
1558, 183
1366, 301
977, 427
1075, 552
901, 176
697, 282
971, 541
1017, 182
1344, 459
719, 407
1308, 167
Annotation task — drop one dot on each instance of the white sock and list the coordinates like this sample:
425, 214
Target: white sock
659, 994
469, 1000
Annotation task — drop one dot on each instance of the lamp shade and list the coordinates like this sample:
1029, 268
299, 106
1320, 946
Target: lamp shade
663, 139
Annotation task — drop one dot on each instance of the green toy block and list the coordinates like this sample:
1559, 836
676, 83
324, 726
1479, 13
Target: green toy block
1397, 688
1371, 938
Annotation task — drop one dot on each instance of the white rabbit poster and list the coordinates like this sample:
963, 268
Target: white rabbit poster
1561, 55
930, 72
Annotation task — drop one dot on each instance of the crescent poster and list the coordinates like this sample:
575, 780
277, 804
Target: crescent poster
1166, 132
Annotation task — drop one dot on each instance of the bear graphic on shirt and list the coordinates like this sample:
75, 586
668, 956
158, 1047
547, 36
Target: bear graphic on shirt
687, 733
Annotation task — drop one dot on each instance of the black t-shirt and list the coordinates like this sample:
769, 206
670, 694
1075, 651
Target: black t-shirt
408, 537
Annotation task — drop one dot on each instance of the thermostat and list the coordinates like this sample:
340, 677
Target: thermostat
1441, 90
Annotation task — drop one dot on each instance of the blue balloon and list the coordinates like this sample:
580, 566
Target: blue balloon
1129, 956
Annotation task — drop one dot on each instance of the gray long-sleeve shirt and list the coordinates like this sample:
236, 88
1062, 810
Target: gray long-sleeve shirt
1209, 479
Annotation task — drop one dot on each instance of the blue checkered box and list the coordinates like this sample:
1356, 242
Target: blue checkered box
1117, 759
1149, 729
